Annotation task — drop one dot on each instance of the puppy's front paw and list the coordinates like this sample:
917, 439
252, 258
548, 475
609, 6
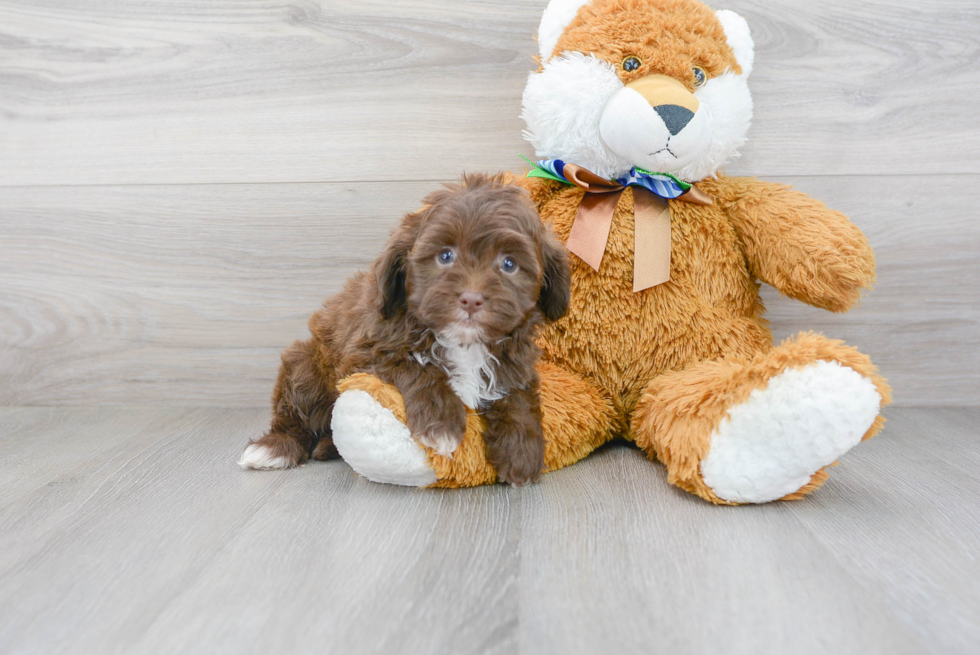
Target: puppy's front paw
438, 422
520, 472
518, 456
442, 442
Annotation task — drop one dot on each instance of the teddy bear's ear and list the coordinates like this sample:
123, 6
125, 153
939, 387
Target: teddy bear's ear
739, 39
557, 15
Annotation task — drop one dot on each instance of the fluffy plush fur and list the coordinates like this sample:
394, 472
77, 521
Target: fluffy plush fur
562, 120
579, 102
768, 444
448, 315
687, 369
556, 17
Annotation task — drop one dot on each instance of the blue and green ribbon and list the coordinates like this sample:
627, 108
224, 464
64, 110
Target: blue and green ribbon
664, 185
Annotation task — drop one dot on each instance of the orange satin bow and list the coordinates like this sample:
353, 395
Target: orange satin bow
590, 231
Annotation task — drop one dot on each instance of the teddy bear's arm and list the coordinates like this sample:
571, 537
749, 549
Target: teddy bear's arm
798, 245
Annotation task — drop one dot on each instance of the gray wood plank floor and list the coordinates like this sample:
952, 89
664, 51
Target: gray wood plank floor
130, 530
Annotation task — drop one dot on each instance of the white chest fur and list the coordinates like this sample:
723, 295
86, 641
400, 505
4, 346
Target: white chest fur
470, 370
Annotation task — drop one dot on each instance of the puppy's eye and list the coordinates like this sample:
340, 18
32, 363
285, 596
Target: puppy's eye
508, 265
631, 63
699, 77
446, 256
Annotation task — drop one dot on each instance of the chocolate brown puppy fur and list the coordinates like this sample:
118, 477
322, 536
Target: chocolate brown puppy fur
448, 313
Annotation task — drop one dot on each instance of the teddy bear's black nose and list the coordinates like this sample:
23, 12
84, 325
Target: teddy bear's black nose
675, 117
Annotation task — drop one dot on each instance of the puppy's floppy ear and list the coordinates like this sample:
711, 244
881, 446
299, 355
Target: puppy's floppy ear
392, 267
556, 284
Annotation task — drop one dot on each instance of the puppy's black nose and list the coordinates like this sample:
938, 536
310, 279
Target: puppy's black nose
471, 301
675, 117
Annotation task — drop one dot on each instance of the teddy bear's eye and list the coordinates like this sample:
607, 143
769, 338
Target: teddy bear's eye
631, 63
699, 77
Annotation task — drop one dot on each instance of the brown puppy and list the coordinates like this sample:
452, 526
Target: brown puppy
448, 314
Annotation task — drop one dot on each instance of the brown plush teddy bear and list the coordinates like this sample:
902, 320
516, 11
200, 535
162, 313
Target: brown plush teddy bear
634, 109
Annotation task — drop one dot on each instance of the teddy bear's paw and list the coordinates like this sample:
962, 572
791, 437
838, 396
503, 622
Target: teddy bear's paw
376, 444
804, 419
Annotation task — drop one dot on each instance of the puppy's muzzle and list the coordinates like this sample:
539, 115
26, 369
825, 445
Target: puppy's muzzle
471, 302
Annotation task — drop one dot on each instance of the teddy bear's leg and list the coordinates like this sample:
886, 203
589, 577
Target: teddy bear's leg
370, 433
740, 430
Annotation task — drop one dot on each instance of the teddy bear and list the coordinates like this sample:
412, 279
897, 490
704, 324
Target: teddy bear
634, 109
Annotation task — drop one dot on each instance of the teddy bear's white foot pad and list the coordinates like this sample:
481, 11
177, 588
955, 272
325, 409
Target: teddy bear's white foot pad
376, 444
770, 445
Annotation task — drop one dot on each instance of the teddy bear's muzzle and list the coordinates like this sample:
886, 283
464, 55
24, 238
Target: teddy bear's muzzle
669, 98
653, 123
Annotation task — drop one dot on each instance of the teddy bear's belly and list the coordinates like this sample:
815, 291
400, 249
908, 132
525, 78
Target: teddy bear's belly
623, 348
621, 340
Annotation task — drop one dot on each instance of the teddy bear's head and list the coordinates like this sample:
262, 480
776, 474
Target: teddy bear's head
659, 85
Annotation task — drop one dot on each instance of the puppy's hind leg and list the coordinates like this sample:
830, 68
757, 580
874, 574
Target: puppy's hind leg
301, 405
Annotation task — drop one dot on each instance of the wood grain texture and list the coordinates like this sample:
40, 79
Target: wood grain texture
649, 569
174, 294
157, 542
187, 294
39, 446
129, 549
922, 477
883, 560
241, 91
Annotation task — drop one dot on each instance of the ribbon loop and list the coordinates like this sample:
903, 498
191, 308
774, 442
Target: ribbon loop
651, 214
590, 230
586, 179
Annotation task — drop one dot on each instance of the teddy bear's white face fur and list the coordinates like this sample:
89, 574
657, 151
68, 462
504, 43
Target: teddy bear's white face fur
578, 110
